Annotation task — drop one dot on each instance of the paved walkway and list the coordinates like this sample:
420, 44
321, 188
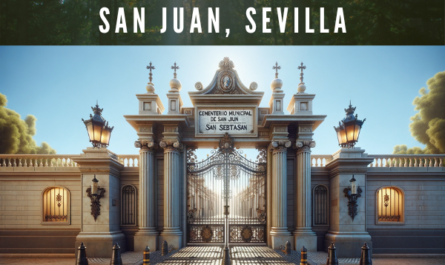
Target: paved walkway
213, 256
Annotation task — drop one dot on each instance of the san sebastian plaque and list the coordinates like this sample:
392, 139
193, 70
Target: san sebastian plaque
217, 121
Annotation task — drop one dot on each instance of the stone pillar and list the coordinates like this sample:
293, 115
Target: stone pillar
346, 233
172, 218
303, 234
147, 234
279, 231
100, 234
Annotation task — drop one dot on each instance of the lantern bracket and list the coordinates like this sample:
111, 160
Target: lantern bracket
95, 201
352, 200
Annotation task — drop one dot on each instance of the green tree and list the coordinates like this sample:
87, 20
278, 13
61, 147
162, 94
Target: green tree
428, 125
16, 134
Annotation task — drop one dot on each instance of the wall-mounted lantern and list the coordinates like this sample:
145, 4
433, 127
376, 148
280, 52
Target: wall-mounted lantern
349, 128
352, 193
95, 193
97, 127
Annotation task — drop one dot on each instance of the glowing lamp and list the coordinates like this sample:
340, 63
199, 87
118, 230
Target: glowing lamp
349, 129
353, 186
98, 130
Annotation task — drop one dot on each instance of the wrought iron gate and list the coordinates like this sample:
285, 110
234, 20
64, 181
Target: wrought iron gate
226, 196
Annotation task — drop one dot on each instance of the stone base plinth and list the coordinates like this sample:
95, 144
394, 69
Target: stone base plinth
172, 236
144, 239
279, 236
348, 244
306, 239
100, 244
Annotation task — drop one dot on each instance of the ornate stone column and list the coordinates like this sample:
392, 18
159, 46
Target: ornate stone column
279, 231
172, 232
147, 234
303, 234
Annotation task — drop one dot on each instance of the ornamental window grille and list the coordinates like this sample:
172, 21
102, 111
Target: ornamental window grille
128, 205
320, 205
389, 205
56, 205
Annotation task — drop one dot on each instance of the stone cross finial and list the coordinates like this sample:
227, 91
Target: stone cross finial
276, 68
150, 67
302, 67
174, 67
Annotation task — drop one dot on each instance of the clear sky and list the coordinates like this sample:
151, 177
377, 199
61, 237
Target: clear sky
59, 85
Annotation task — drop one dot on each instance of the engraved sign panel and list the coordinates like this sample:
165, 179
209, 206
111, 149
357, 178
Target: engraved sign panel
220, 121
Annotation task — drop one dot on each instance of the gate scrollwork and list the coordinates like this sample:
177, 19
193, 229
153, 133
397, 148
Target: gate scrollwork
226, 196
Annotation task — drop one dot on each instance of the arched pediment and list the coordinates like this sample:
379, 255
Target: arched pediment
226, 82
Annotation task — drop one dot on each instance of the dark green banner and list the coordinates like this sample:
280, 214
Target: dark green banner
229, 22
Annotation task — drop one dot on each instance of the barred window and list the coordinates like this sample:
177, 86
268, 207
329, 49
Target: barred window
128, 205
56, 203
320, 205
390, 205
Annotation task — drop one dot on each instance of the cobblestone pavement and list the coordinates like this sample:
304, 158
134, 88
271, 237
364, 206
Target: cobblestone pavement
213, 256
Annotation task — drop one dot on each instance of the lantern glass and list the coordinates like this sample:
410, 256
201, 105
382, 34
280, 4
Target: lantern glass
94, 187
89, 125
105, 139
350, 130
357, 131
353, 186
97, 131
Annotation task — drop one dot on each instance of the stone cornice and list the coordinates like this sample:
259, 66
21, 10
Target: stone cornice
99, 160
349, 165
136, 120
314, 120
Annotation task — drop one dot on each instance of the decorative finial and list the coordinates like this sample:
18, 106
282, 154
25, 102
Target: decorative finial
150, 67
276, 68
174, 67
302, 67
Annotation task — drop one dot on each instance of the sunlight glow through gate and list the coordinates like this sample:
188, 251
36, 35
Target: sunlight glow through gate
226, 178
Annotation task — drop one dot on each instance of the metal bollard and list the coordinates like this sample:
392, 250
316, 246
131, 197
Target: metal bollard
146, 259
164, 250
226, 256
303, 260
116, 258
365, 258
332, 255
82, 255
288, 248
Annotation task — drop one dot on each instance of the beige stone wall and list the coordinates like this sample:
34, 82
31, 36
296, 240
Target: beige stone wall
21, 198
424, 195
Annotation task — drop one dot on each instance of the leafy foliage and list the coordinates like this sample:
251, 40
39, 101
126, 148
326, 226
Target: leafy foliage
16, 134
76, 22
428, 126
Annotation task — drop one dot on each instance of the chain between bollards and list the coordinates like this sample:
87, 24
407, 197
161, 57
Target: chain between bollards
146, 259
116, 258
82, 255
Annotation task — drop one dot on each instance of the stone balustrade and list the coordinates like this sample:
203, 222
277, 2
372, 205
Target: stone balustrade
320, 160
407, 160
36, 160
129, 160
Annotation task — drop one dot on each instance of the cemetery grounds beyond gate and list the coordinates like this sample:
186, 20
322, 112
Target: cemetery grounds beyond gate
226, 197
